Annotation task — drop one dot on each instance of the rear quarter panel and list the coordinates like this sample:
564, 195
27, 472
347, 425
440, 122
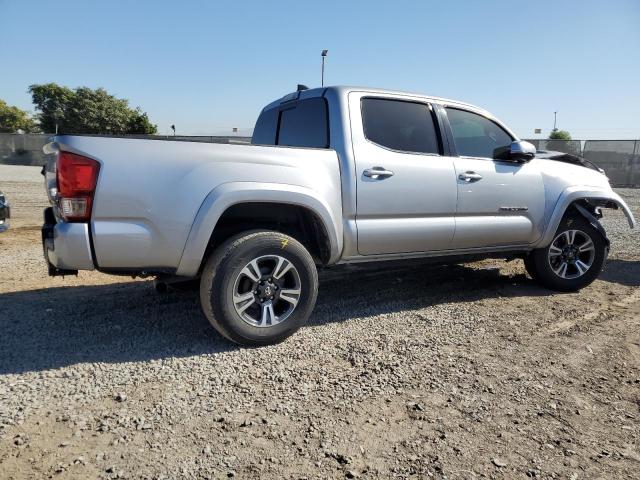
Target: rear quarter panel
149, 192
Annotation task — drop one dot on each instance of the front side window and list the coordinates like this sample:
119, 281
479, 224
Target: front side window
305, 124
475, 135
399, 125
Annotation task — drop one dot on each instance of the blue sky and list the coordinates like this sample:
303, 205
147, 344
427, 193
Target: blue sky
209, 66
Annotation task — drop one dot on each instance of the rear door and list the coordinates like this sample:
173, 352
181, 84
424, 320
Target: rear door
406, 187
499, 202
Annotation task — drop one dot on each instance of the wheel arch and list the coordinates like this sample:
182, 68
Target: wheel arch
584, 201
234, 200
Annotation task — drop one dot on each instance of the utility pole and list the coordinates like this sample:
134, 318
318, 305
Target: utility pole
324, 55
555, 118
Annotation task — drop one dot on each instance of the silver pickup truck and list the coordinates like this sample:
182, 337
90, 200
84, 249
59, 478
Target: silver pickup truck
334, 175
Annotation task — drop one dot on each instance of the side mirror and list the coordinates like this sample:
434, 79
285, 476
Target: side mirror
519, 151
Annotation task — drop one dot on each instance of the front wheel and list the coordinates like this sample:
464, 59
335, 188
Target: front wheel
259, 287
574, 258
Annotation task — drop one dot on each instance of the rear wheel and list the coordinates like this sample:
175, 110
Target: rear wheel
572, 260
259, 287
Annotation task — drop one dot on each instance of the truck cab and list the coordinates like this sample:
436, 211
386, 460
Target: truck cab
422, 175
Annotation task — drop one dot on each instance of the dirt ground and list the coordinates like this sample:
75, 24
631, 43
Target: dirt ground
455, 372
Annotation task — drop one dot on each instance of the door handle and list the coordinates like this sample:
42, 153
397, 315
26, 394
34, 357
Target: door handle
470, 177
377, 173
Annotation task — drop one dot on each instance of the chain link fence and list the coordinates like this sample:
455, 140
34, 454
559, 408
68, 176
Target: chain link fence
26, 149
620, 159
573, 147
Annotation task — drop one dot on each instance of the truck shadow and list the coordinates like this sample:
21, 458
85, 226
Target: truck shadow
623, 272
127, 322
55, 327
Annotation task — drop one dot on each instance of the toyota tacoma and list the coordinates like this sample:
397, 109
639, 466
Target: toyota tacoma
334, 175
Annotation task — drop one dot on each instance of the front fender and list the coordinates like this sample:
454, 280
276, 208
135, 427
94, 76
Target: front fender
572, 194
228, 194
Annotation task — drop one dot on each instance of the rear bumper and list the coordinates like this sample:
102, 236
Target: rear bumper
67, 246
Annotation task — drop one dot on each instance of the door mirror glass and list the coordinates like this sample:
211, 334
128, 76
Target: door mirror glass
518, 151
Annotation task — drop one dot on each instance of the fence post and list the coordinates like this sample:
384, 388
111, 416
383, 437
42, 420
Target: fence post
635, 162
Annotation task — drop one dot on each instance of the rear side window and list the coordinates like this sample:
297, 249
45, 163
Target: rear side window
475, 135
400, 125
304, 125
266, 128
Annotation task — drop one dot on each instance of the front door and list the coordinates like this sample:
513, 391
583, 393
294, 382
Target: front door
500, 203
406, 188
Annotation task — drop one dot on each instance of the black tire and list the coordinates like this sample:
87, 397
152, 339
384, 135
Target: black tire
223, 273
539, 264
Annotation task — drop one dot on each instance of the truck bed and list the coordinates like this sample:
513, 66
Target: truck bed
150, 192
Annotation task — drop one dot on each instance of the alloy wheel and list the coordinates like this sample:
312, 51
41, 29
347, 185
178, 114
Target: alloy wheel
267, 291
571, 254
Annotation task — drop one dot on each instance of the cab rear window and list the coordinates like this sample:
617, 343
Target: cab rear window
300, 124
266, 128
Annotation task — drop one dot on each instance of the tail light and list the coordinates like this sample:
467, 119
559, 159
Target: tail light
77, 177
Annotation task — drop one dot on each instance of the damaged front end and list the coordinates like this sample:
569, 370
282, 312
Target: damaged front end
568, 158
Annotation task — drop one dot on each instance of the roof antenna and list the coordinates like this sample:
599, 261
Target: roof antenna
301, 87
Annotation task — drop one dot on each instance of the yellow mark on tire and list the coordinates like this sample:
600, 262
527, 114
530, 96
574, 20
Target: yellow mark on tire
284, 243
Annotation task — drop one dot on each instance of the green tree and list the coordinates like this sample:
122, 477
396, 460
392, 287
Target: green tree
85, 110
13, 119
559, 135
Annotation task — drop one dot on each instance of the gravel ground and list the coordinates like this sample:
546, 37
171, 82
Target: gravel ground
416, 372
